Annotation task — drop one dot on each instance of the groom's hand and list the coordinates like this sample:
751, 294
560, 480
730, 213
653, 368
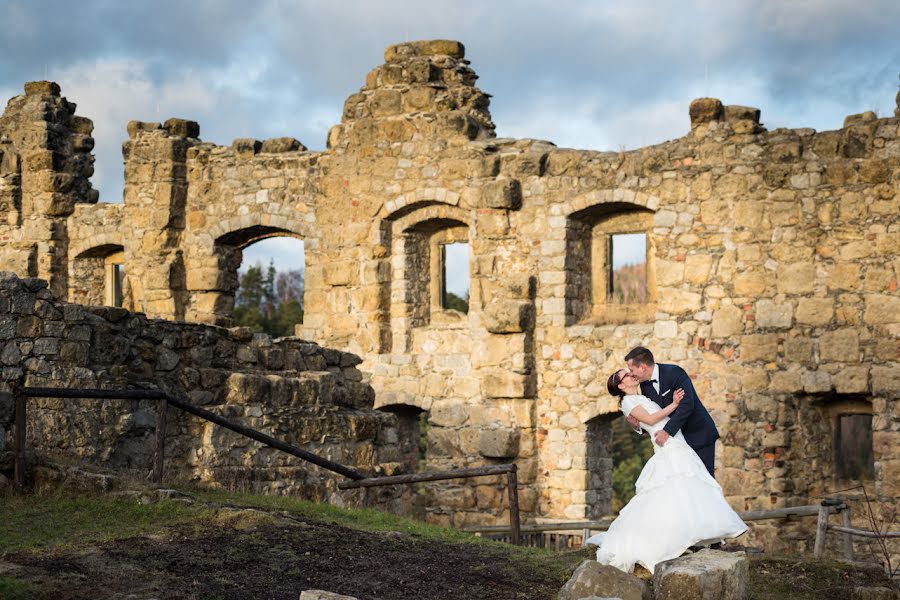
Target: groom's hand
662, 436
634, 423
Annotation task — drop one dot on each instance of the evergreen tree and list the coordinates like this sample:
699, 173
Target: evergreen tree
269, 302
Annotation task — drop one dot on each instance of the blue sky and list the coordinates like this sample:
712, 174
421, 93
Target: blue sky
598, 75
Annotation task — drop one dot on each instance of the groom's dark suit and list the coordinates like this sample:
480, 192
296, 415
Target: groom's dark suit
690, 417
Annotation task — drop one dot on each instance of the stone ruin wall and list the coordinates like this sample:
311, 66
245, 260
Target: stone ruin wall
772, 266
296, 391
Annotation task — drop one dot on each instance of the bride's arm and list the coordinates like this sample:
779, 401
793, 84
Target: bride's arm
641, 414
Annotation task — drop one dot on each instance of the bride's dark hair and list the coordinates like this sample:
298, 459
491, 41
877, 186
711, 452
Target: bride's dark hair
612, 385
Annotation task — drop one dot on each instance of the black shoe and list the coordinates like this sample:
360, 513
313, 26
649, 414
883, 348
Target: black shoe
716, 546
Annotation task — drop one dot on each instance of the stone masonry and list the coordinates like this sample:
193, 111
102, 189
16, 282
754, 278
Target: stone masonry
771, 265
296, 391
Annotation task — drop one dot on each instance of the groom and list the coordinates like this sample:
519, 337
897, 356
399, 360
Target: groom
658, 382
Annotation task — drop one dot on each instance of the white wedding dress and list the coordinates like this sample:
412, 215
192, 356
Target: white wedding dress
677, 504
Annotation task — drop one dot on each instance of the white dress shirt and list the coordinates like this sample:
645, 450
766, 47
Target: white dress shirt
656, 377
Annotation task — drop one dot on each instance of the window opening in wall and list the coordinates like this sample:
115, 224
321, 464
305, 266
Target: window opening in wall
117, 279
271, 279
455, 276
627, 280
854, 457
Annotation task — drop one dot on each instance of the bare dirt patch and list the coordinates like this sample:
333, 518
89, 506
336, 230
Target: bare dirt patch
279, 560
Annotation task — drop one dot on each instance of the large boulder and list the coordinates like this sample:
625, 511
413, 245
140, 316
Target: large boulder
704, 575
593, 580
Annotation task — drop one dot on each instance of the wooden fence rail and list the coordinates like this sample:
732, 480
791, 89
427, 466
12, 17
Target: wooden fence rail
356, 479
164, 400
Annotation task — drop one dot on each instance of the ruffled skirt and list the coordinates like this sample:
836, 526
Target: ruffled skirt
677, 504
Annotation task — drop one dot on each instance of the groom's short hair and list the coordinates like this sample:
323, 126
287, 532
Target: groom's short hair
641, 356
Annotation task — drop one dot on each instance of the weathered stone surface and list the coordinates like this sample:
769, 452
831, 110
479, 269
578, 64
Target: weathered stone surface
705, 110
323, 595
182, 128
281, 144
510, 316
593, 579
705, 575
499, 443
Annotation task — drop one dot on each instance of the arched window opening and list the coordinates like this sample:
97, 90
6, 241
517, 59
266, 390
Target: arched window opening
98, 277
270, 285
437, 271
615, 457
609, 265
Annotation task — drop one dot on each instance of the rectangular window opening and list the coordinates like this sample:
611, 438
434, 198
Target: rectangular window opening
627, 281
854, 457
118, 281
455, 276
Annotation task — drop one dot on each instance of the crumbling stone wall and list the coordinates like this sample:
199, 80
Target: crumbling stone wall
296, 391
771, 275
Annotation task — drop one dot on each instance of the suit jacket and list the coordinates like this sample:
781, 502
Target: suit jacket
691, 416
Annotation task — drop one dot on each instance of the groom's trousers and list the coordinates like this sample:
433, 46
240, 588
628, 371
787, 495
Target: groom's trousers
708, 455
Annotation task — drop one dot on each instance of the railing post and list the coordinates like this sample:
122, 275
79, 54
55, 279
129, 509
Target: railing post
848, 539
160, 454
512, 483
19, 448
821, 528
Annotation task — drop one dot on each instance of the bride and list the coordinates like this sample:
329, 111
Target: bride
677, 504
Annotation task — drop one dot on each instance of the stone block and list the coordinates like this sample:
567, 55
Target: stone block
246, 147
705, 110
734, 112
499, 443
341, 273
506, 384
697, 268
591, 579
772, 314
134, 127
502, 193
797, 278
509, 316
42, 88
759, 347
281, 144
407, 50
727, 321
851, 380
815, 311
703, 575
841, 345
885, 380
680, 302
882, 309
182, 128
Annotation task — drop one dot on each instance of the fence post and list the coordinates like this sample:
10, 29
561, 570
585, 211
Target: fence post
159, 456
821, 528
513, 488
848, 539
19, 448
